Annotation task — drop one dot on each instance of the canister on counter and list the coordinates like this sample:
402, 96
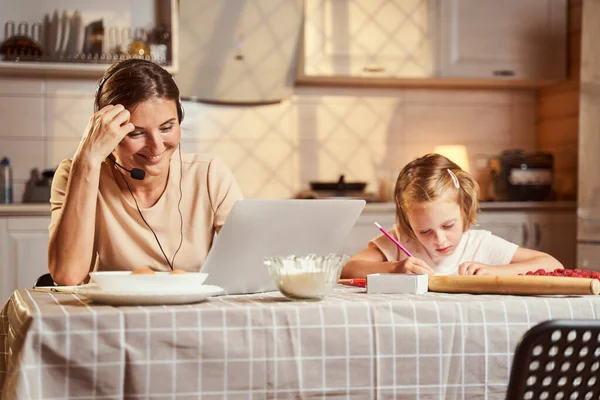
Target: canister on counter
6, 181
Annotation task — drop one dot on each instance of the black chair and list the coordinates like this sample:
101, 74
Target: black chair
44, 280
557, 360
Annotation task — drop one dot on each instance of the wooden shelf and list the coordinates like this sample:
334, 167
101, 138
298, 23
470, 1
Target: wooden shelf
58, 70
433, 83
166, 12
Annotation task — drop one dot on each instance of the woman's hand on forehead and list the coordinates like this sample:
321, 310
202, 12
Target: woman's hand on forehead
105, 130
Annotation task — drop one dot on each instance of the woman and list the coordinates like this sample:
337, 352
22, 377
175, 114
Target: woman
129, 199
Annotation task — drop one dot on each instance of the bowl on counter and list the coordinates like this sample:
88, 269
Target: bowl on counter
308, 277
340, 186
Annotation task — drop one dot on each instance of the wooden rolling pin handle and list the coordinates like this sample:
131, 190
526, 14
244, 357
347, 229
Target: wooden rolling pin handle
507, 284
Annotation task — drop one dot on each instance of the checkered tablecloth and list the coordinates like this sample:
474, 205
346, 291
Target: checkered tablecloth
351, 345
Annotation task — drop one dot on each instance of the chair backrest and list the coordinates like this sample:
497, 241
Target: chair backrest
44, 280
557, 359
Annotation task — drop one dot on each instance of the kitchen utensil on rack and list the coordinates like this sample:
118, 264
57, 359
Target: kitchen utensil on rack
126, 38
23, 43
9, 29
63, 35
46, 34
159, 40
139, 45
94, 38
37, 32
119, 40
53, 34
23, 29
114, 40
74, 40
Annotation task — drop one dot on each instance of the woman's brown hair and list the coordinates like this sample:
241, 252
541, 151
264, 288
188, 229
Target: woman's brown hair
133, 81
426, 179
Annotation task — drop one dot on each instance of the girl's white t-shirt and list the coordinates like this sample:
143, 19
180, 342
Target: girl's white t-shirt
475, 245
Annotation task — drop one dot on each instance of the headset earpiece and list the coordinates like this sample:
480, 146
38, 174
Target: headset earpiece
180, 112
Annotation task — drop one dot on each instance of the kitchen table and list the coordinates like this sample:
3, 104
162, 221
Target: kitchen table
350, 345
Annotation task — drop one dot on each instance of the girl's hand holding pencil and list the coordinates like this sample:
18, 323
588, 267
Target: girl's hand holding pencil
410, 265
413, 265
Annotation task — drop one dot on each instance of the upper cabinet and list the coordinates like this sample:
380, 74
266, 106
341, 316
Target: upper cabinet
434, 42
507, 39
375, 38
70, 38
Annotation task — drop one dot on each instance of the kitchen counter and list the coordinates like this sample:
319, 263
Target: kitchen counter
42, 209
491, 206
528, 205
24, 209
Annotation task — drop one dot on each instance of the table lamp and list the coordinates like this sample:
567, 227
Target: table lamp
456, 153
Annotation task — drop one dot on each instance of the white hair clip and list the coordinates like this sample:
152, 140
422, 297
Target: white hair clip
454, 179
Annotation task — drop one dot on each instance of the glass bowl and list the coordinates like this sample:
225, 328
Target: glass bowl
309, 277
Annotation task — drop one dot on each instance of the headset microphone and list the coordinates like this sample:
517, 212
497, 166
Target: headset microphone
135, 173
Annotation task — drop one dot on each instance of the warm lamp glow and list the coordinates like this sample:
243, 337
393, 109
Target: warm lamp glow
456, 153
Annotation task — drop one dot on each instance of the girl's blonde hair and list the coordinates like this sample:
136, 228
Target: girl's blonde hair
428, 178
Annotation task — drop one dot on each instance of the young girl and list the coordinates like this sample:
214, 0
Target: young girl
436, 203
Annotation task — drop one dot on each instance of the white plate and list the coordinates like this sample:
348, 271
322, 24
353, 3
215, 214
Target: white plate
159, 282
142, 299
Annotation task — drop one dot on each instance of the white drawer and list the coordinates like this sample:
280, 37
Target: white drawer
588, 257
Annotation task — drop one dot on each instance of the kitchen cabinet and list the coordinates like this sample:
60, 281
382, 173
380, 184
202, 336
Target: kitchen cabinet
364, 230
7, 281
552, 231
588, 256
514, 226
368, 38
508, 39
23, 252
115, 14
434, 43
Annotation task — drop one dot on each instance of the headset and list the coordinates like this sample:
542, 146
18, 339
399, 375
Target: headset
127, 64
140, 174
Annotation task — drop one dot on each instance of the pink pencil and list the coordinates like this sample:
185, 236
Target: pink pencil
393, 240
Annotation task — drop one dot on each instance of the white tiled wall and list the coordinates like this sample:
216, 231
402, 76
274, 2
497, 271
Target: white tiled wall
275, 150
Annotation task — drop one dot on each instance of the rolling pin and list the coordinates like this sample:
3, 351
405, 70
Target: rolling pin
514, 284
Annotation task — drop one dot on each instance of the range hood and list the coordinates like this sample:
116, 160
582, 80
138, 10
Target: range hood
238, 51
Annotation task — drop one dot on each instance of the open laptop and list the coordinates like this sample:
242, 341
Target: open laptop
259, 228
